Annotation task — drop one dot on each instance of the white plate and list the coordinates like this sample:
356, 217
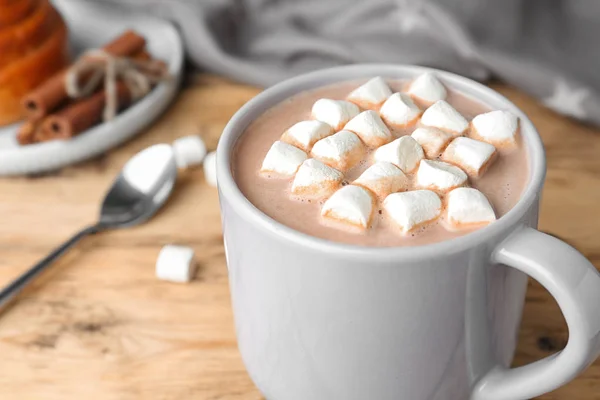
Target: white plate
92, 25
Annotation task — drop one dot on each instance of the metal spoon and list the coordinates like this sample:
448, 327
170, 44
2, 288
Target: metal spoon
142, 187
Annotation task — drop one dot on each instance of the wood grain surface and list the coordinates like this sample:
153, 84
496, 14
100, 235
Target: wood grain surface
100, 326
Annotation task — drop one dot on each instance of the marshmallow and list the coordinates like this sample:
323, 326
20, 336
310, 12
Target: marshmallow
371, 94
352, 205
443, 116
370, 128
496, 127
175, 264
341, 150
305, 134
315, 180
427, 88
438, 175
432, 140
399, 110
210, 168
404, 152
382, 178
336, 113
471, 155
189, 151
409, 210
283, 159
468, 207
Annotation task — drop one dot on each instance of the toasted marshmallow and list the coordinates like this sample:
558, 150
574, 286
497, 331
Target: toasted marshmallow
175, 264
370, 128
382, 178
445, 117
315, 180
371, 94
210, 168
283, 159
471, 155
189, 151
496, 127
467, 208
399, 110
409, 210
405, 153
341, 150
351, 205
336, 113
432, 140
305, 134
441, 176
427, 88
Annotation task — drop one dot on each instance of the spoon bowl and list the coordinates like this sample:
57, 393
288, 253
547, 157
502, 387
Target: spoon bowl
141, 188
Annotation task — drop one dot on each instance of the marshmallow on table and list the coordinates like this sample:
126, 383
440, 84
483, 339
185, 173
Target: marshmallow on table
210, 168
445, 117
432, 140
427, 88
496, 127
370, 128
189, 151
315, 180
404, 152
471, 155
468, 207
351, 205
283, 159
305, 134
336, 113
382, 178
175, 264
371, 94
441, 176
399, 110
341, 150
409, 210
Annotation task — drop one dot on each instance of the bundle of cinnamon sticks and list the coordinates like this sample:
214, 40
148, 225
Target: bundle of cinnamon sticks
53, 114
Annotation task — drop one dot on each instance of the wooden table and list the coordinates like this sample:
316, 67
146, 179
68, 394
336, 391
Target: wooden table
100, 326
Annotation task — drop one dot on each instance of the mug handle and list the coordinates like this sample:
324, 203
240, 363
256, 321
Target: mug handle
575, 284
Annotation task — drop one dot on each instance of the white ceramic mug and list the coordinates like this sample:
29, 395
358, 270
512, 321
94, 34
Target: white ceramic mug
318, 320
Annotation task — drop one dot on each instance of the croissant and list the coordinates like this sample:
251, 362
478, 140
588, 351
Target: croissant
33, 47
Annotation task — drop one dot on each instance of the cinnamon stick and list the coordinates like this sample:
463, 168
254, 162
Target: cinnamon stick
142, 56
52, 94
130, 42
41, 134
32, 132
26, 133
81, 115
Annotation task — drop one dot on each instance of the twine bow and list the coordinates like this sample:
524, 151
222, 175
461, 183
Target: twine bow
97, 66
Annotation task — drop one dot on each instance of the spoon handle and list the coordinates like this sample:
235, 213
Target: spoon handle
13, 289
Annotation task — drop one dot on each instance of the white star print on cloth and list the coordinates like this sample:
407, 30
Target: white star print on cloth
411, 16
567, 100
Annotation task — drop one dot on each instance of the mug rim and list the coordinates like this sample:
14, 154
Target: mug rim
229, 190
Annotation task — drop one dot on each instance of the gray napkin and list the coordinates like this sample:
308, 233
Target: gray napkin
547, 48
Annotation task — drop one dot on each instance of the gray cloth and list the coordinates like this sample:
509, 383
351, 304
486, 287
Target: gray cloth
546, 47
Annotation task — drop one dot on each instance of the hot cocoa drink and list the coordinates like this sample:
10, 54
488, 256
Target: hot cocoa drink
382, 162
